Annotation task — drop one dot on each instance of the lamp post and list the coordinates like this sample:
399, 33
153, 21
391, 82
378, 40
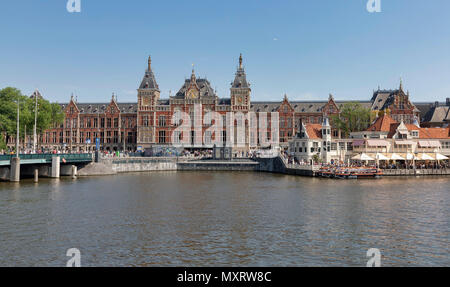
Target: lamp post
35, 122
17, 135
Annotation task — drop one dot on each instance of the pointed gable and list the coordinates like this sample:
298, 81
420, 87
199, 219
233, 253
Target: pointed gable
113, 107
330, 107
285, 106
72, 107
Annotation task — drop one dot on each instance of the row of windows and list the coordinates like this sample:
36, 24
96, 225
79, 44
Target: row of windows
88, 137
93, 122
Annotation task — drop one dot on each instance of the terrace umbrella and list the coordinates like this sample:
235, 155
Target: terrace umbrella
424, 156
410, 156
440, 156
395, 156
362, 157
380, 156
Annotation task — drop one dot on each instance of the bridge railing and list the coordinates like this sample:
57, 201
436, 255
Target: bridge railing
70, 157
75, 157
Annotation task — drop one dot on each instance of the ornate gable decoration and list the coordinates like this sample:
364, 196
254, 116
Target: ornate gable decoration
193, 90
285, 106
72, 107
330, 107
113, 107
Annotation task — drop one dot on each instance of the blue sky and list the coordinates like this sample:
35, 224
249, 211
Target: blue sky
306, 49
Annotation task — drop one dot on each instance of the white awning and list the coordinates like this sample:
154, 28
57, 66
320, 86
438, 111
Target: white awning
429, 143
358, 143
382, 143
404, 142
435, 143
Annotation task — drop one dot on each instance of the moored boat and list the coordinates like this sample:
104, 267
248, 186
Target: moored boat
350, 173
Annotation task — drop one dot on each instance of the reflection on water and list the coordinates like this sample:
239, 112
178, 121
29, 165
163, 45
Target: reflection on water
224, 219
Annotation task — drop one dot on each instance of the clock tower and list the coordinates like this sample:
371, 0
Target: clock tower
148, 92
240, 90
193, 89
148, 96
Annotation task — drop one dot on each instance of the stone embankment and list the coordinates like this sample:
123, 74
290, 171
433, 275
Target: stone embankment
109, 166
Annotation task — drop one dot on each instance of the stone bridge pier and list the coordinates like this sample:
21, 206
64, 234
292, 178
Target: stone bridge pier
52, 168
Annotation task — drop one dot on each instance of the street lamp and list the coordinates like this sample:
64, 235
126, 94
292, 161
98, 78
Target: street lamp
18, 135
35, 122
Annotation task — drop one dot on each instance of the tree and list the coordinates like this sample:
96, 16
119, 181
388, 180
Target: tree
47, 115
2, 142
352, 118
8, 111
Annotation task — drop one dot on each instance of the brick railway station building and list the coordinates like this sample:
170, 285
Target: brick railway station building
148, 122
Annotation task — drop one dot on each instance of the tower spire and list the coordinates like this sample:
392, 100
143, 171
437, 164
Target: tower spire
401, 84
149, 63
240, 61
193, 74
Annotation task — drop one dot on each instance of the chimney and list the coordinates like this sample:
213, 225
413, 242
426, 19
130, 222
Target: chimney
447, 102
436, 104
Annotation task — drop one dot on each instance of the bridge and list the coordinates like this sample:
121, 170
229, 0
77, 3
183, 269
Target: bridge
47, 165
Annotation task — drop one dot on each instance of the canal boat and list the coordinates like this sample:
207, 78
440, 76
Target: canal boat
350, 173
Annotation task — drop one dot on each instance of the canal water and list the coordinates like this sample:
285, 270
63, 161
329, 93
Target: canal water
225, 219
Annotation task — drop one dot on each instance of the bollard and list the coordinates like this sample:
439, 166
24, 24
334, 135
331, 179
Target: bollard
36, 175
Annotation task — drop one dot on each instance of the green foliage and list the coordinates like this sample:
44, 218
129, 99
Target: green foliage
353, 118
48, 113
2, 142
316, 159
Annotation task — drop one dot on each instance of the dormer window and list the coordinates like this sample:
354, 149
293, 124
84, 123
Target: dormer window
415, 133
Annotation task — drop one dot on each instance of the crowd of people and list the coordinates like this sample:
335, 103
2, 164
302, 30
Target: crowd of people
381, 165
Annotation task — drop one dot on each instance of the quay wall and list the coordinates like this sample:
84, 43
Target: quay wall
219, 165
121, 165
272, 165
277, 165
417, 172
